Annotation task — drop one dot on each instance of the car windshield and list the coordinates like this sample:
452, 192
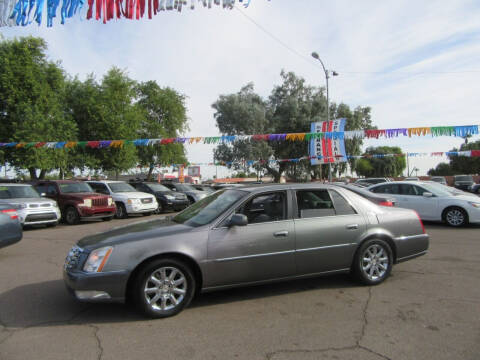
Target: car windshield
209, 208
74, 187
440, 190
184, 187
463, 178
121, 187
158, 187
18, 192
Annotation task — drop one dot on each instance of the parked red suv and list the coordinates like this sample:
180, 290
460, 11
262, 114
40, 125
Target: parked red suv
77, 200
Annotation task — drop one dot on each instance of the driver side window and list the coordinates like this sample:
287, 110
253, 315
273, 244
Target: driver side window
265, 208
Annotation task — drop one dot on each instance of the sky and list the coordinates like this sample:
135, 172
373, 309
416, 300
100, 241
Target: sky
415, 63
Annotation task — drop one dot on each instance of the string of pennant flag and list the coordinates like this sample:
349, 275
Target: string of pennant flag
25, 12
458, 131
249, 163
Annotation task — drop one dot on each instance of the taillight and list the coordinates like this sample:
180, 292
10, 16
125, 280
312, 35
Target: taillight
386, 203
421, 222
11, 212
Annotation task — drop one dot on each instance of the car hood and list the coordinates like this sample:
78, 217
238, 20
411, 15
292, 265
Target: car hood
135, 232
27, 201
172, 193
133, 195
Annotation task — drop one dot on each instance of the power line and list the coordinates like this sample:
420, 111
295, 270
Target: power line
307, 59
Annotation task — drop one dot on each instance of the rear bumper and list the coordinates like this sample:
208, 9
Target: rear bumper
96, 287
409, 247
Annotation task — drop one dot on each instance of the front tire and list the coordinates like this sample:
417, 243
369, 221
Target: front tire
71, 216
373, 262
121, 212
163, 288
455, 217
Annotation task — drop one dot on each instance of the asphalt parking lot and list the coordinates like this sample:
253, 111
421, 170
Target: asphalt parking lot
428, 309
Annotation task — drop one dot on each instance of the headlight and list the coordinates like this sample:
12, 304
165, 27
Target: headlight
20, 206
110, 201
475, 205
87, 202
133, 201
170, 197
55, 204
97, 259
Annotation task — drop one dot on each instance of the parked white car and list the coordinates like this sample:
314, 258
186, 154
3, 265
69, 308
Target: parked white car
432, 201
32, 209
127, 199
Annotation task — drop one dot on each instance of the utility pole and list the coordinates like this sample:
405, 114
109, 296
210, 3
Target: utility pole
327, 76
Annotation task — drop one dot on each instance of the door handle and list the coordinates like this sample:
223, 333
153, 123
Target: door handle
352, 226
280, 233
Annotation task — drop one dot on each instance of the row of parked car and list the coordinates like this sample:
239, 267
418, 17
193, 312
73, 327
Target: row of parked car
49, 201
433, 200
461, 182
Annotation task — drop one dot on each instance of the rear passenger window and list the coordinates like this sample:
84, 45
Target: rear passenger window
342, 207
314, 203
387, 189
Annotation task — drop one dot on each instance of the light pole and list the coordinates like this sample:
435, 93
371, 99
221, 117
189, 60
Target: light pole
327, 76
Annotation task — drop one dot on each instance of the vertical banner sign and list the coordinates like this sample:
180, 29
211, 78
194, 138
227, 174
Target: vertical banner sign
181, 174
328, 150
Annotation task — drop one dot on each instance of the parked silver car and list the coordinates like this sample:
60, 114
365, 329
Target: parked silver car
244, 236
32, 209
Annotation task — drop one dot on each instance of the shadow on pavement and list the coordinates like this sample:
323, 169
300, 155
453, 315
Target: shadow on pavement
49, 304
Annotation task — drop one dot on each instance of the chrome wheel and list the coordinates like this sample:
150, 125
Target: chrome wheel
165, 289
375, 262
455, 217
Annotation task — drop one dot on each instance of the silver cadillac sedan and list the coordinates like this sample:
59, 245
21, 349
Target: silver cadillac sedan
236, 237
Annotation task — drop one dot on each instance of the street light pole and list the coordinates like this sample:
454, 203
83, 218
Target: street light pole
327, 76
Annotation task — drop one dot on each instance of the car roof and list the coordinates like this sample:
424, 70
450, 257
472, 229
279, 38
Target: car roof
14, 184
105, 181
257, 188
416, 182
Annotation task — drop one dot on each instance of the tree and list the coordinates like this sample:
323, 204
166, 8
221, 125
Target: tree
32, 92
291, 108
463, 164
107, 111
164, 116
442, 169
375, 165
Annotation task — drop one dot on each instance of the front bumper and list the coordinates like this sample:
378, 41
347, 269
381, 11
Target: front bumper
175, 205
96, 287
36, 217
473, 215
96, 212
141, 208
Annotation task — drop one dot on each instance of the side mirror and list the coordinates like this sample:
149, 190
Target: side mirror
427, 194
238, 220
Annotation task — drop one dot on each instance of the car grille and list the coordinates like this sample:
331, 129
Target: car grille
147, 201
40, 217
100, 202
73, 257
37, 205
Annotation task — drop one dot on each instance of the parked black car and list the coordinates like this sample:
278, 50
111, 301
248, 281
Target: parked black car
10, 227
475, 188
166, 198
463, 182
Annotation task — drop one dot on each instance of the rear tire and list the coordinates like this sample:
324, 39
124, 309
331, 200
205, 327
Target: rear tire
455, 217
163, 288
71, 216
373, 262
